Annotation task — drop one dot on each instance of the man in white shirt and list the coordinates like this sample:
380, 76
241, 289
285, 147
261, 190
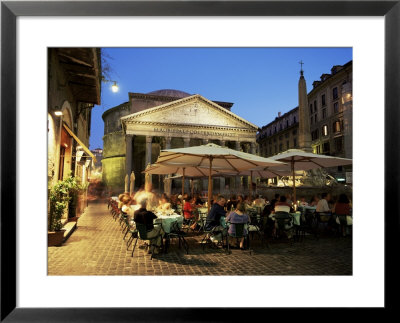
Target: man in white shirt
323, 208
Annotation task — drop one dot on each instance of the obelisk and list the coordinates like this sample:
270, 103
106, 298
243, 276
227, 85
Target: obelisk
304, 117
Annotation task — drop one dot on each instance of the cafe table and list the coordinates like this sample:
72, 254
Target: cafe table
167, 220
295, 216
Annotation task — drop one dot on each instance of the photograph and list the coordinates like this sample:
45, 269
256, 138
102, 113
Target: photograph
194, 148
200, 161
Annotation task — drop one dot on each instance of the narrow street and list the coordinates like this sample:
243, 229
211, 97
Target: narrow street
97, 248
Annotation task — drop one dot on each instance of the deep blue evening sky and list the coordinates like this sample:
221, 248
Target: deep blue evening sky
259, 81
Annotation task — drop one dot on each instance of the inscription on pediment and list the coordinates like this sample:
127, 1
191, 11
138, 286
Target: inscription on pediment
199, 113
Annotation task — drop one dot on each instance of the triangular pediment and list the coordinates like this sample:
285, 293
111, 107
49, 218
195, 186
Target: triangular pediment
190, 111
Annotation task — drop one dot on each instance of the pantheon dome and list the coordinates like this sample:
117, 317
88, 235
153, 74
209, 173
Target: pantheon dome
170, 92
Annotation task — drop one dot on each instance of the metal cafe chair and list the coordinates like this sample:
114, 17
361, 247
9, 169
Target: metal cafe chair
256, 226
142, 235
239, 234
177, 233
284, 225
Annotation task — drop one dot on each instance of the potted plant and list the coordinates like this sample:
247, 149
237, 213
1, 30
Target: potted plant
59, 198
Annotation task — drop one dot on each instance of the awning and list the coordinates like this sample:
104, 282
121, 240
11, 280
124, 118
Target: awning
79, 142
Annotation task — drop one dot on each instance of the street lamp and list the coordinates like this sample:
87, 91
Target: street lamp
114, 87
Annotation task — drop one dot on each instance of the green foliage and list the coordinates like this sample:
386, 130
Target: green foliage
62, 193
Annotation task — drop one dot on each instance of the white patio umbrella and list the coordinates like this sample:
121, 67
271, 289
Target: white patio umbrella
301, 160
132, 183
214, 158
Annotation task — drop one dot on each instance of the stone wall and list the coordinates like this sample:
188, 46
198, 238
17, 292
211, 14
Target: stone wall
114, 173
114, 145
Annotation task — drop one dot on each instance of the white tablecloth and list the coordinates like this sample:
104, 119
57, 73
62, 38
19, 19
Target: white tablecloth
167, 220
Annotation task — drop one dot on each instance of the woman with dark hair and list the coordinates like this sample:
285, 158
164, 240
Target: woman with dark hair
238, 216
231, 204
342, 210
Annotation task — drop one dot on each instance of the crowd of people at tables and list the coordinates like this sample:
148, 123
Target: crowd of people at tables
141, 207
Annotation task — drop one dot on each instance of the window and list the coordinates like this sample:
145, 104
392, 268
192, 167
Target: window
280, 137
294, 132
318, 149
311, 109
275, 129
314, 135
336, 107
287, 123
336, 126
295, 142
294, 119
287, 144
325, 130
315, 106
315, 118
325, 147
335, 93
338, 144
287, 135
323, 100
323, 114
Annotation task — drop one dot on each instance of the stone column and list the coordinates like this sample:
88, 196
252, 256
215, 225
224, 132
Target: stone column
128, 155
186, 142
204, 185
148, 149
168, 142
238, 180
253, 148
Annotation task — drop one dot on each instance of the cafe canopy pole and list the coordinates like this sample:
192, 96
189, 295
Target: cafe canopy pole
294, 182
183, 182
209, 185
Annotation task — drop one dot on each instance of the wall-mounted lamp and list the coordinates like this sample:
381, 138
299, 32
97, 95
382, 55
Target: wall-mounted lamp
58, 113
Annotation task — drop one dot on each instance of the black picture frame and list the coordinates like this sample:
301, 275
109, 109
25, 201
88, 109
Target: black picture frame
10, 10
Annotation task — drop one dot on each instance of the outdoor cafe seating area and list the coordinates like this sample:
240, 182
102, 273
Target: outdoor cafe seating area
249, 221
185, 231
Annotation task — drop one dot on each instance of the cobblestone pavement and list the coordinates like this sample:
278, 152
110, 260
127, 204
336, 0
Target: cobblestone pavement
96, 248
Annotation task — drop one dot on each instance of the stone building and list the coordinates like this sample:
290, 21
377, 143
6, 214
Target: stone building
328, 119
280, 134
330, 108
74, 77
136, 131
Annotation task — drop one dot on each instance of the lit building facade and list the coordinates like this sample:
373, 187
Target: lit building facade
74, 76
328, 118
136, 131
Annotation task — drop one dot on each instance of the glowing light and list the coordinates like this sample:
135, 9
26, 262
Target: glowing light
58, 113
114, 87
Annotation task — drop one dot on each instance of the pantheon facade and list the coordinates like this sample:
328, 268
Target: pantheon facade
136, 131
